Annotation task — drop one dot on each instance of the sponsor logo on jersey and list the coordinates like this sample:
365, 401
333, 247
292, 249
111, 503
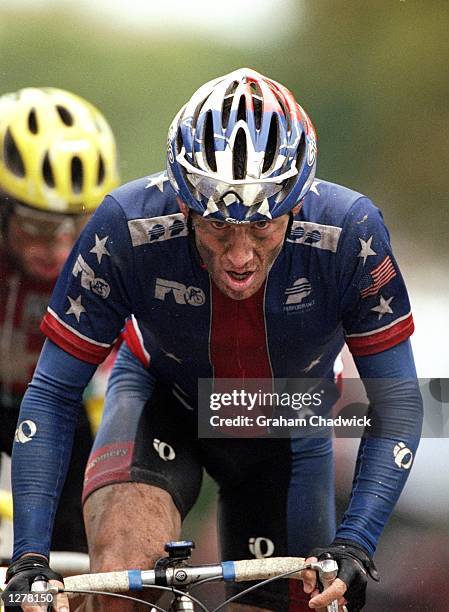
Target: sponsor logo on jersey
296, 296
182, 294
157, 229
25, 432
323, 237
164, 450
403, 456
261, 547
88, 279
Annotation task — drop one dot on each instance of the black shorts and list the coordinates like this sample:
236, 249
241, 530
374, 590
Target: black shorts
276, 496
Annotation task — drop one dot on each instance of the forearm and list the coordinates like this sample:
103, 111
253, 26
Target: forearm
43, 445
383, 462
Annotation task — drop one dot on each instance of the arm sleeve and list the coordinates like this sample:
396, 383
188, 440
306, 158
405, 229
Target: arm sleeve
386, 453
43, 445
130, 382
374, 304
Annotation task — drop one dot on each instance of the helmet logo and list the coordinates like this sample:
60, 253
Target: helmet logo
311, 150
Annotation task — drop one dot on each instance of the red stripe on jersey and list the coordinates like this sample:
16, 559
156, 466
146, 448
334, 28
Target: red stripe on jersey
238, 339
133, 339
70, 342
382, 340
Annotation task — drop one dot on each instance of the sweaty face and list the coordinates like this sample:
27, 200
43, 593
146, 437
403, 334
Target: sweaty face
239, 257
41, 243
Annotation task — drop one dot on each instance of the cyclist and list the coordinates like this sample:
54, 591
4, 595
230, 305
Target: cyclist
236, 263
57, 162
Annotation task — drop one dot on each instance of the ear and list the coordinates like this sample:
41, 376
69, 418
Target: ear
297, 208
183, 207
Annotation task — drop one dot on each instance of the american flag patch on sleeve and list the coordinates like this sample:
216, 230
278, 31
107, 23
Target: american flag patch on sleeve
379, 276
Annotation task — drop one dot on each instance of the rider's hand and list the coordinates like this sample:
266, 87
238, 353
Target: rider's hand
355, 565
22, 573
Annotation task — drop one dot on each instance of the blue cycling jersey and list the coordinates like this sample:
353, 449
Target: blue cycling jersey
335, 280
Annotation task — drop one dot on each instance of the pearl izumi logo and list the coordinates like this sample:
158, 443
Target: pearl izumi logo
403, 456
261, 547
164, 450
25, 432
296, 295
182, 294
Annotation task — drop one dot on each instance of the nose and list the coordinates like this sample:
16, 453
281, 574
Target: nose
58, 249
240, 250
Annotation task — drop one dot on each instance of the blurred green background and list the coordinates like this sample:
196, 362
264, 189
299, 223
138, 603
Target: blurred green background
372, 74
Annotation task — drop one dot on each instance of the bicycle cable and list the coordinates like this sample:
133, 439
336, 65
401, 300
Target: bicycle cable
205, 581
259, 584
119, 595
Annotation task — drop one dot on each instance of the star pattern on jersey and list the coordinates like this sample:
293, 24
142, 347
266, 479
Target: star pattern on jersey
384, 307
366, 250
76, 308
314, 187
100, 247
312, 364
157, 181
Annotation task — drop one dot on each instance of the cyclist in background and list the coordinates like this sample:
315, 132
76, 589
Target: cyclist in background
57, 162
236, 264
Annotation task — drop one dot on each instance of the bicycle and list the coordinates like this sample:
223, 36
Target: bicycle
173, 574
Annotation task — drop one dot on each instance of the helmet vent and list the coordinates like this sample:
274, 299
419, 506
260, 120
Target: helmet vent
231, 89
209, 145
241, 111
299, 163
101, 171
301, 153
258, 110
179, 141
65, 115
13, 159
226, 111
77, 174
47, 172
32, 122
272, 145
239, 157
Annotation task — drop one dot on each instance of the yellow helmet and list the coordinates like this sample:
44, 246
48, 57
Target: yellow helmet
57, 151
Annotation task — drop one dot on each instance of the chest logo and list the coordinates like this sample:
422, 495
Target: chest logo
182, 294
296, 296
300, 289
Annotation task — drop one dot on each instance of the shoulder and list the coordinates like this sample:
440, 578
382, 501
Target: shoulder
145, 209
331, 204
147, 197
330, 210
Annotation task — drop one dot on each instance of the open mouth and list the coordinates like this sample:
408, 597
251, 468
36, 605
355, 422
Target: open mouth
240, 280
239, 276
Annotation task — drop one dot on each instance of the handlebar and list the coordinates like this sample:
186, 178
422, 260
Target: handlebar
180, 575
